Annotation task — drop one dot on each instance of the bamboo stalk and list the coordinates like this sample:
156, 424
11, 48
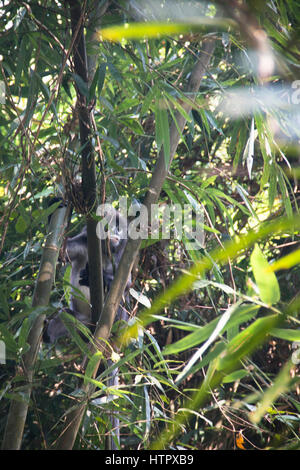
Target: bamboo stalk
18, 409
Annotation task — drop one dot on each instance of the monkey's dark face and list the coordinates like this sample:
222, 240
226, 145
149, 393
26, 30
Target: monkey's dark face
77, 248
116, 235
113, 244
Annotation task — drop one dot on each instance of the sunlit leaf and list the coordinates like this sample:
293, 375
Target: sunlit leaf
234, 376
94, 360
240, 315
141, 298
245, 198
286, 262
250, 149
152, 30
285, 333
265, 279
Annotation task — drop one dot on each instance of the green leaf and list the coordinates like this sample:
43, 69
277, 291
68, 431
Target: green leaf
234, 376
162, 130
279, 386
151, 95
21, 225
133, 124
24, 332
173, 116
81, 84
101, 77
20, 61
114, 72
246, 342
272, 185
142, 30
158, 127
66, 284
264, 277
73, 325
8, 338
285, 333
212, 121
220, 326
46, 93
201, 119
285, 192
91, 366
93, 86
179, 107
242, 314
287, 262
238, 141
243, 195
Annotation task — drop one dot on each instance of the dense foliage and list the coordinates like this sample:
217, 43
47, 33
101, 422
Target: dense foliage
225, 323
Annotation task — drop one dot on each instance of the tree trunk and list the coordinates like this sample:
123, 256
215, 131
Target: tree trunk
89, 185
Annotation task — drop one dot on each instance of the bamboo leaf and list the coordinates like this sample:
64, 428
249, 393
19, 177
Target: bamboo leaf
98, 81
286, 262
158, 126
246, 342
23, 334
265, 279
165, 135
180, 109
81, 84
152, 30
218, 329
279, 386
101, 78
91, 366
234, 376
285, 333
240, 315
249, 151
141, 298
162, 130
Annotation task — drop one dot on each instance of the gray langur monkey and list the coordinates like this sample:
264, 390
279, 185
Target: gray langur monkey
77, 252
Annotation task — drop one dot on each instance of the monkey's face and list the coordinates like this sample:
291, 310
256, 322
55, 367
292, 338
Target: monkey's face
114, 241
77, 248
114, 229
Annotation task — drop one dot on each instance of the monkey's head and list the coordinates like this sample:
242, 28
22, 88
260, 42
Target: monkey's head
112, 229
77, 247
